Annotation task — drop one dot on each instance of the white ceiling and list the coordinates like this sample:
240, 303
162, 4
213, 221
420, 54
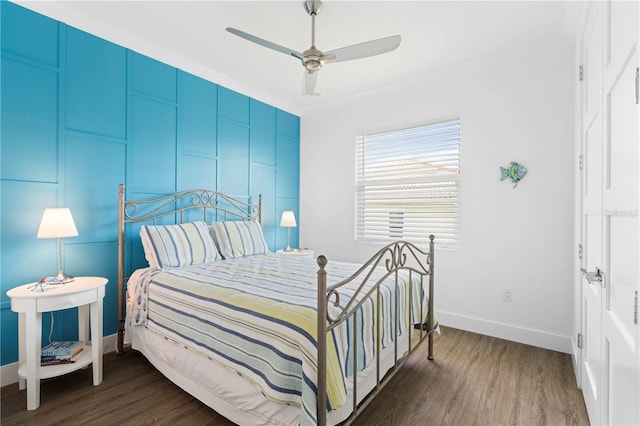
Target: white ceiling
435, 34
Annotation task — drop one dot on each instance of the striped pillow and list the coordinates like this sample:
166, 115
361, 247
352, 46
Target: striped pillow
239, 238
172, 246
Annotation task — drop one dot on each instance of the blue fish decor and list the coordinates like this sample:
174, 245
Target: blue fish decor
515, 171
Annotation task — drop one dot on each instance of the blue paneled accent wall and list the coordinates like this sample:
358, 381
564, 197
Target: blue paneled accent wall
79, 115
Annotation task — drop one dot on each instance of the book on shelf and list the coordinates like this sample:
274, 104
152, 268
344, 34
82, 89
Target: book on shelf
61, 350
55, 361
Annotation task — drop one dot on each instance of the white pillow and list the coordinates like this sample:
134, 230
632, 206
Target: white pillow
239, 238
173, 246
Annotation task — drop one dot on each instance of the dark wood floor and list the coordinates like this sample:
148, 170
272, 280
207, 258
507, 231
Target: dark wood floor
474, 380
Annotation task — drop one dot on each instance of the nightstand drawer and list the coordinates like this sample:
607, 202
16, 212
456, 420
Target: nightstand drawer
66, 301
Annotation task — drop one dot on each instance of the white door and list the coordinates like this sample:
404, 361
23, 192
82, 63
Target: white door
611, 232
592, 211
621, 245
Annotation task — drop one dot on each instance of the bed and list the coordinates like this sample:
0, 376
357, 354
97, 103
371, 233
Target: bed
261, 337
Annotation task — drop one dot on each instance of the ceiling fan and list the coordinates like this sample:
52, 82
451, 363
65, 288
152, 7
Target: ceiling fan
313, 59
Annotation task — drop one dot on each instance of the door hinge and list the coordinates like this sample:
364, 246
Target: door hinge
579, 341
580, 73
635, 309
637, 86
580, 251
580, 161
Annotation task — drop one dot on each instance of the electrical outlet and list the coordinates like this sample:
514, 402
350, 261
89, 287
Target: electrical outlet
507, 295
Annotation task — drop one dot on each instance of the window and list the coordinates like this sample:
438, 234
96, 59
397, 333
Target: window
407, 183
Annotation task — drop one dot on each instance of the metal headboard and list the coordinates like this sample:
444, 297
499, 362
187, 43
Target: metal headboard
178, 205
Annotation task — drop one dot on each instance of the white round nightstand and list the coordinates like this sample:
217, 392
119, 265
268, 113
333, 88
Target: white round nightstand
298, 252
87, 293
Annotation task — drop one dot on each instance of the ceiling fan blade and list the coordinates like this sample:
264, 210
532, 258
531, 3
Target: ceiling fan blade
265, 43
309, 80
363, 50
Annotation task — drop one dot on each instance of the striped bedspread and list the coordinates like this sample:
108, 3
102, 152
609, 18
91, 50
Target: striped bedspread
256, 315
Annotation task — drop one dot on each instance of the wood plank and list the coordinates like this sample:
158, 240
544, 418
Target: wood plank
474, 379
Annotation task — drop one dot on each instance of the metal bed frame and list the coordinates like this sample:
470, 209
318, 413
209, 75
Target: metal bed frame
394, 258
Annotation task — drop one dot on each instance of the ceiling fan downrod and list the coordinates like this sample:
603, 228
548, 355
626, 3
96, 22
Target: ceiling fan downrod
313, 55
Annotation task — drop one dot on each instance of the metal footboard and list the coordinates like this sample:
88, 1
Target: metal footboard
394, 258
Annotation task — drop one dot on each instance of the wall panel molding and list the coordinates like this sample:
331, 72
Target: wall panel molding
108, 115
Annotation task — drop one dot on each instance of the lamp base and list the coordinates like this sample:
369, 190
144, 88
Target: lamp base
61, 275
288, 249
65, 278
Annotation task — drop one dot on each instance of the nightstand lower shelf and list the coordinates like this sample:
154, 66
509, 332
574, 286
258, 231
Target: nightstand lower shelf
82, 360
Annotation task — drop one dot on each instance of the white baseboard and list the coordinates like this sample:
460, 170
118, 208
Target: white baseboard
9, 372
554, 342
513, 333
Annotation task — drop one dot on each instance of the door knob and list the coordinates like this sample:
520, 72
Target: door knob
592, 277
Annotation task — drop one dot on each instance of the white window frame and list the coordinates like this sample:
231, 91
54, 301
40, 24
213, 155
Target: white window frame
407, 183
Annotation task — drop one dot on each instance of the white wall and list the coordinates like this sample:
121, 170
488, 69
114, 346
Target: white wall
515, 106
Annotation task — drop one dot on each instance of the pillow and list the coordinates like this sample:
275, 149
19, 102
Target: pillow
239, 238
172, 246
149, 252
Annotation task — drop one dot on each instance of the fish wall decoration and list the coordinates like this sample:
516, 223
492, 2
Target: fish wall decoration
515, 171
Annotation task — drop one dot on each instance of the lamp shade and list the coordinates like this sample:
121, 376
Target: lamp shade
288, 219
57, 223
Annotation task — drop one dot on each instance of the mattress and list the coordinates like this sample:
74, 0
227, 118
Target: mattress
230, 395
239, 335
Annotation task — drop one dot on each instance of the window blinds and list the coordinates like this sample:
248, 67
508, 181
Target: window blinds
407, 183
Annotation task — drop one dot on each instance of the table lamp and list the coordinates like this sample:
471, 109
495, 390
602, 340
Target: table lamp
288, 219
58, 223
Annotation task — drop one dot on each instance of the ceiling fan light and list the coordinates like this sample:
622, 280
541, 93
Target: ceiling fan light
313, 65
